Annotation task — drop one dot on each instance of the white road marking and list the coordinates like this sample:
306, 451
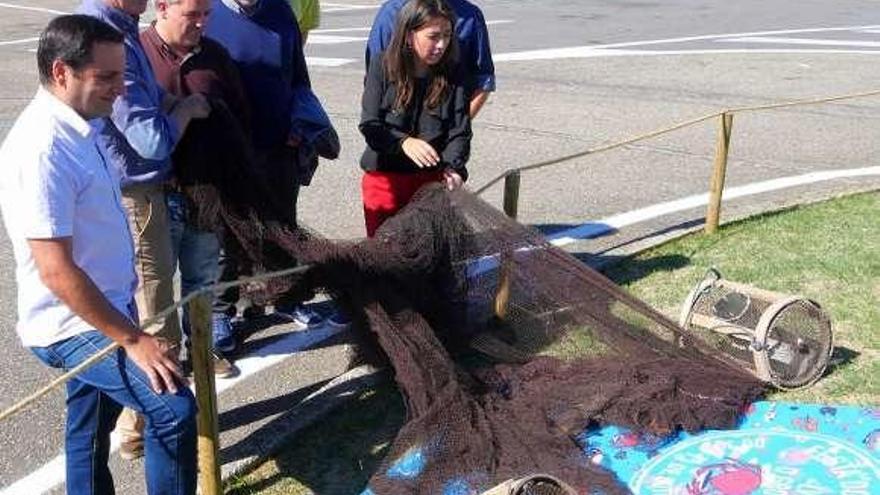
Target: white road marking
344, 7
19, 42
34, 9
800, 41
616, 222
329, 61
587, 51
329, 39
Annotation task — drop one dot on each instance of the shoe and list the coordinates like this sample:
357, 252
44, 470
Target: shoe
339, 319
253, 312
131, 449
301, 314
224, 336
223, 368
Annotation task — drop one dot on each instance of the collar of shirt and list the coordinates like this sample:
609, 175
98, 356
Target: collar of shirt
65, 114
165, 49
238, 8
117, 18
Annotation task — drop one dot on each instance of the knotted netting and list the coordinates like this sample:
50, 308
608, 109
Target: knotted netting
504, 347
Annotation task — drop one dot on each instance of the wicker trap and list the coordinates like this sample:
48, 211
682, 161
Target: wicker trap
785, 340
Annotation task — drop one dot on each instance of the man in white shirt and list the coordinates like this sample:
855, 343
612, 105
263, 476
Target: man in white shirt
74, 256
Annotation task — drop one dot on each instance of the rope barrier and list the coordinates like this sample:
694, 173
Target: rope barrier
73, 372
665, 130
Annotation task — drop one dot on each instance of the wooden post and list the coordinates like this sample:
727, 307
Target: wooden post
716, 187
511, 194
511, 205
206, 395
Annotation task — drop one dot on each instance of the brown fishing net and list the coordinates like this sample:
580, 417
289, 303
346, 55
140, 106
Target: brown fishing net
504, 347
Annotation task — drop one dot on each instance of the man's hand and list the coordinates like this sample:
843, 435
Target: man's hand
158, 361
453, 179
420, 152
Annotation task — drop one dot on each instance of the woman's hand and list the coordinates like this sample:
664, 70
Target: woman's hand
420, 152
452, 179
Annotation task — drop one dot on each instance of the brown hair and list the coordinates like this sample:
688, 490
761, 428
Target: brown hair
399, 60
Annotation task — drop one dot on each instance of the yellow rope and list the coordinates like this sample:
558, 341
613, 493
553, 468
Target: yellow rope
73, 372
665, 130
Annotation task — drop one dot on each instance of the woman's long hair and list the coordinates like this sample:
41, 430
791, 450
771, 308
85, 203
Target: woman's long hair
399, 61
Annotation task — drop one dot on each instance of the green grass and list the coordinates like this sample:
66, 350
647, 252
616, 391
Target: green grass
829, 252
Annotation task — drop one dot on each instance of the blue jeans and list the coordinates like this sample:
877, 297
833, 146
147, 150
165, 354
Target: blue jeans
94, 400
196, 252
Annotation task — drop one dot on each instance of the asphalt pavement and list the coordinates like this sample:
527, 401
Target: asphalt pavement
573, 75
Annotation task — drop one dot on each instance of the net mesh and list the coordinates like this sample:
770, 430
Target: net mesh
504, 347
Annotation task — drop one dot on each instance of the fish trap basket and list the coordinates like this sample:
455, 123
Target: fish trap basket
785, 340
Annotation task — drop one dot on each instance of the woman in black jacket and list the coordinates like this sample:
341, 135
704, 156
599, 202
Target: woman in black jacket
414, 113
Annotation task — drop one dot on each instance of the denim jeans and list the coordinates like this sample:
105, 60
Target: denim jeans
94, 400
196, 252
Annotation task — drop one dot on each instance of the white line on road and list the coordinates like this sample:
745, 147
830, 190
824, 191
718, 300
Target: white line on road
343, 7
34, 9
329, 39
588, 50
19, 42
800, 41
601, 227
367, 30
328, 61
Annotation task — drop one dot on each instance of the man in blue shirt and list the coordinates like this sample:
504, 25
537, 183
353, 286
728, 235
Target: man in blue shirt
475, 55
264, 40
139, 137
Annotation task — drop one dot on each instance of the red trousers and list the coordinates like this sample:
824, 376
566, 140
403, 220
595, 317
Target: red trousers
385, 193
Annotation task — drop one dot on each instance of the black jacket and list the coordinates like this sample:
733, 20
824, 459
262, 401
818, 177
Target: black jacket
447, 128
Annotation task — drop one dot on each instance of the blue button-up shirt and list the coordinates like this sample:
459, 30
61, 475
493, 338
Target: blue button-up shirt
475, 54
140, 138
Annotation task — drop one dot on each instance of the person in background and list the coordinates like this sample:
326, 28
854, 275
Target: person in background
474, 52
289, 126
308, 16
75, 265
415, 113
143, 130
185, 63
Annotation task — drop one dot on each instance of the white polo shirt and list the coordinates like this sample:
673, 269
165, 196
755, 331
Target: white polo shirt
54, 183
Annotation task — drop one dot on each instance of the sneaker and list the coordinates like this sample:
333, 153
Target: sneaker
131, 449
301, 314
223, 368
339, 319
224, 337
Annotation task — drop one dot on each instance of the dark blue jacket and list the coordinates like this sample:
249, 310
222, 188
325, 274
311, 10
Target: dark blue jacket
267, 47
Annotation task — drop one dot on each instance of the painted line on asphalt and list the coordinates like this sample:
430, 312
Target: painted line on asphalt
330, 7
52, 474
19, 42
33, 9
331, 39
610, 224
588, 50
800, 41
328, 61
